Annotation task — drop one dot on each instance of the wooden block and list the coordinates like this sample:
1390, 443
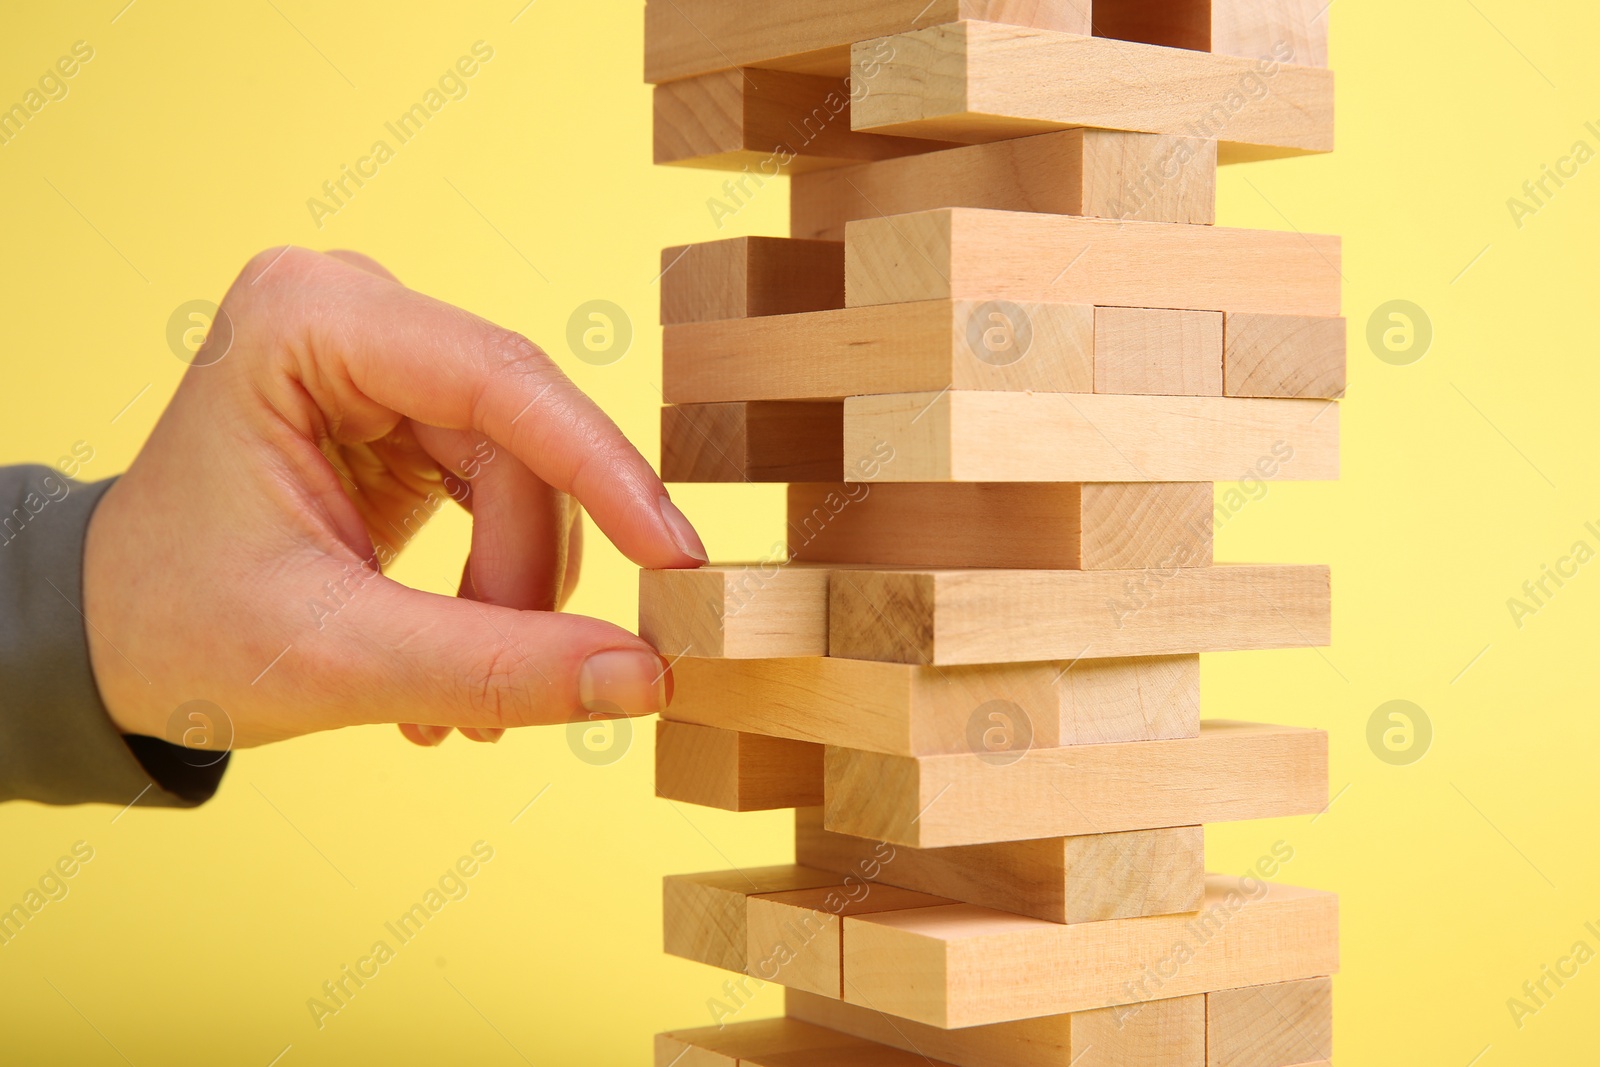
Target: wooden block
977, 254
1232, 771
1148, 350
1061, 437
976, 81
1104, 173
767, 441
756, 611
899, 348
1283, 355
795, 938
704, 915
734, 771
764, 123
997, 616
1163, 1033
1293, 31
1281, 1025
896, 708
1060, 879
1022, 525
730, 1044
975, 966
744, 277
684, 38
1154, 698
1169, 23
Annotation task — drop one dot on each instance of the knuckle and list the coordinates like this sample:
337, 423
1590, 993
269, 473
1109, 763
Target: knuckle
497, 692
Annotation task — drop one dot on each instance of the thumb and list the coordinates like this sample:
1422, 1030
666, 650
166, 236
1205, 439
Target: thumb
413, 656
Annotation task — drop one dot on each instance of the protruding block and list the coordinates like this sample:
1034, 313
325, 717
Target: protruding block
976, 967
704, 915
795, 937
1103, 173
734, 771
755, 611
745, 277
929, 345
907, 710
765, 441
976, 82
1062, 879
1152, 351
1283, 355
1021, 525
977, 254
1000, 616
763, 124
1232, 771
1285, 1025
1162, 1033
1014, 437
777, 1043
684, 38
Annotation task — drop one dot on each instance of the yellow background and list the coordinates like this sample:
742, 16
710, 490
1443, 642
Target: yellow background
195, 137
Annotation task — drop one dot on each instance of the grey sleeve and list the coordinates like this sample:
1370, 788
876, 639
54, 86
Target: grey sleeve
57, 743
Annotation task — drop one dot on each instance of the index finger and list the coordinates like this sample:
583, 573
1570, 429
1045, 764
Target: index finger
443, 366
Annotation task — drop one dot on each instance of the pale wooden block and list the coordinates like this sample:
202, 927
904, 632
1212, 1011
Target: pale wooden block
704, 915
1283, 1025
1061, 879
929, 345
1127, 525
975, 966
893, 707
756, 611
977, 254
1283, 355
1153, 698
731, 1044
999, 616
1293, 31
795, 937
1104, 173
1014, 437
976, 82
764, 123
734, 771
1232, 771
744, 277
1163, 1033
1149, 350
869, 1056
765, 441
684, 38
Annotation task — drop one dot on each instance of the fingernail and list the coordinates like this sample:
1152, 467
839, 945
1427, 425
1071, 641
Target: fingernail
683, 531
623, 682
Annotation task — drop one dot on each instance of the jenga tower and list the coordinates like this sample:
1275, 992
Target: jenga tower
1001, 360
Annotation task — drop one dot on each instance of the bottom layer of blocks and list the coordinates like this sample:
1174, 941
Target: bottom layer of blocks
1287, 1024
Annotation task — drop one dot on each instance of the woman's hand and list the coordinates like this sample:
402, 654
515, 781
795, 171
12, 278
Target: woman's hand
331, 412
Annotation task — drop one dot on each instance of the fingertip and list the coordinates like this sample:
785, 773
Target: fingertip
683, 534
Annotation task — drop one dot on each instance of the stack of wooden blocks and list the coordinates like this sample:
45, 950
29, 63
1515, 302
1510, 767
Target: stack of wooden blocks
1001, 360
